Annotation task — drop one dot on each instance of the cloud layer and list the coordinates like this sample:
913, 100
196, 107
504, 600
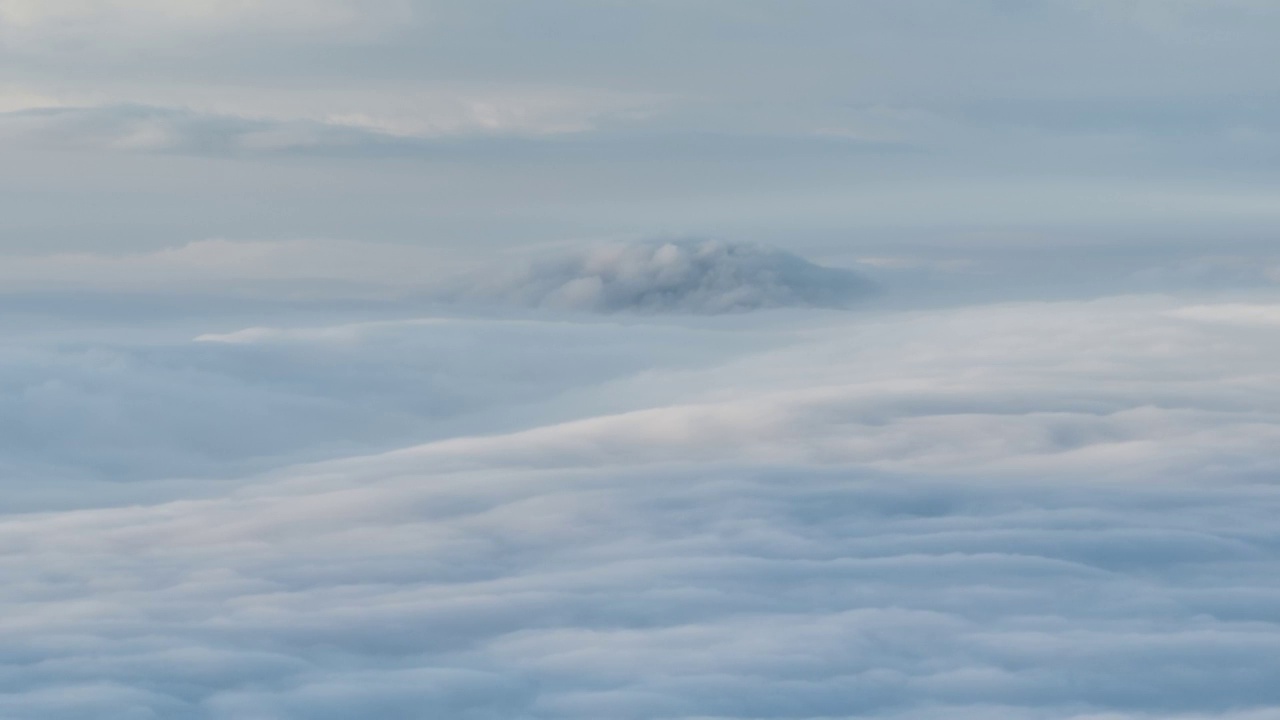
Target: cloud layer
639, 276
1049, 510
1074, 112
455, 467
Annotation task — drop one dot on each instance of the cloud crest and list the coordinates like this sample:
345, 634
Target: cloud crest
689, 276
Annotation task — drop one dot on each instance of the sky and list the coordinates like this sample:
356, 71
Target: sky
639, 359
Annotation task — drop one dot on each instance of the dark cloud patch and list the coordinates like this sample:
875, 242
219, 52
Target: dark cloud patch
688, 276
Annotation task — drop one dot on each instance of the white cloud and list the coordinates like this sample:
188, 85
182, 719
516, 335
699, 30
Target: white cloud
462, 477
1232, 313
127, 410
1049, 510
244, 121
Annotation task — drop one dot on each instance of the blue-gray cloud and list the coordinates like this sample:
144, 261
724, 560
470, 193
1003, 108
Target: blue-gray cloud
705, 276
455, 466
697, 276
139, 128
1029, 510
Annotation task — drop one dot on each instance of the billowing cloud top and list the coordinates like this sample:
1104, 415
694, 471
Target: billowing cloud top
693, 276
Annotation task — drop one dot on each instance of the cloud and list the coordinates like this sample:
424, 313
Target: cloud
129, 414
451, 472
679, 276
293, 123
1072, 136
1029, 510
638, 276
282, 267
160, 130
1232, 313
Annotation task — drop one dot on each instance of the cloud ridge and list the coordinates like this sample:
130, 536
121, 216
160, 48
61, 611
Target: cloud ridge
684, 276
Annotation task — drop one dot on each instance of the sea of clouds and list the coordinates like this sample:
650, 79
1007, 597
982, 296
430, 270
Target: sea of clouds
595, 486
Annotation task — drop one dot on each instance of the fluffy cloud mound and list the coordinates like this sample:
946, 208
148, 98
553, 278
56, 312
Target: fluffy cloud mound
688, 276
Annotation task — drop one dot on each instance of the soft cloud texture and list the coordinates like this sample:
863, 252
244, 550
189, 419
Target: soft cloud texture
780, 119
160, 130
119, 413
298, 121
638, 276
340, 376
681, 276
306, 267
1054, 510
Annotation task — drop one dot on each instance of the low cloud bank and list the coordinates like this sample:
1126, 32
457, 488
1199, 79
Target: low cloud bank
690, 276
302, 268
1055, 511
105, 416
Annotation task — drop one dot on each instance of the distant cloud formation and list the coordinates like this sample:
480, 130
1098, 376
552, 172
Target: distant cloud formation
681, 276
690, 276
146, 129
1077, 111
296, 123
